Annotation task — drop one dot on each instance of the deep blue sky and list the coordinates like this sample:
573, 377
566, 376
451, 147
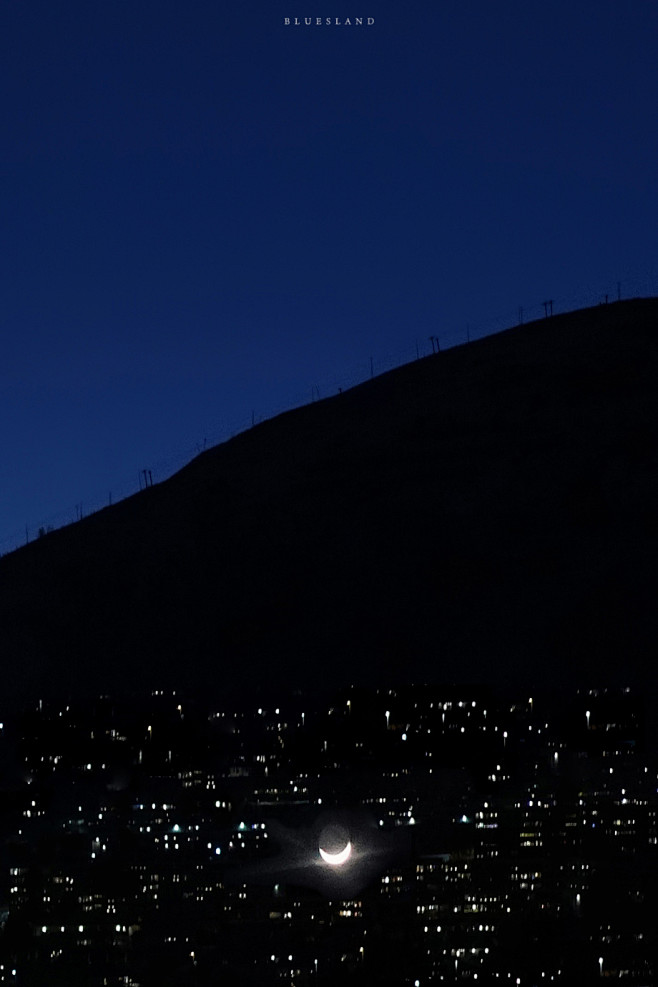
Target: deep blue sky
205, 213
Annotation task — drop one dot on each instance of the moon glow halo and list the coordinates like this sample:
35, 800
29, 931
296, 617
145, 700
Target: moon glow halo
335, 859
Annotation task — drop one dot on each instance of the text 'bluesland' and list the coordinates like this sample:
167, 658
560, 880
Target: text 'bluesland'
328, 21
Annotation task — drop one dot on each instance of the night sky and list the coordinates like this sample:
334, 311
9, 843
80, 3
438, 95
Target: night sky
207, 214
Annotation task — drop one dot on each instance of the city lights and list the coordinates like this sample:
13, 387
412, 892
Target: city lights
257, 835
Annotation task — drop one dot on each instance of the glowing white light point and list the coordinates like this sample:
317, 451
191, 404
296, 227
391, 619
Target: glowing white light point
335, 859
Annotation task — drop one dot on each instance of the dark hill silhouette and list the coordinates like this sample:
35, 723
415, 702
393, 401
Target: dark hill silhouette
486, 513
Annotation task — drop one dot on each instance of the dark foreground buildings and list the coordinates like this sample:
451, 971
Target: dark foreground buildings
159, 843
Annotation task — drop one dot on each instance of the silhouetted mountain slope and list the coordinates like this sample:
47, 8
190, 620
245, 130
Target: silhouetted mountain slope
484, 513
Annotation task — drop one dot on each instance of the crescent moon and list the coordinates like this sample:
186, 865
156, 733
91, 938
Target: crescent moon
336, 858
